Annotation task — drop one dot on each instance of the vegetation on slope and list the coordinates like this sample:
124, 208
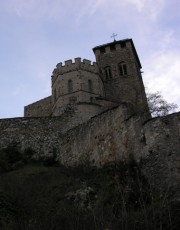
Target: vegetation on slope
47, 196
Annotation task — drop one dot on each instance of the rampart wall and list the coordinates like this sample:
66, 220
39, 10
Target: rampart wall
109, 137
41, 108
161, 153
70, 66
41, 134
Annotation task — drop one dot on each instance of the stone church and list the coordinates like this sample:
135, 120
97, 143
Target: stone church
87, 89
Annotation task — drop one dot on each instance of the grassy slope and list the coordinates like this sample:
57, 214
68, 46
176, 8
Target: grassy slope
34, 197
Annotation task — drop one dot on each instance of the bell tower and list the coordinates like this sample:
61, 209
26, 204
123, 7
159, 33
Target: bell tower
120, 71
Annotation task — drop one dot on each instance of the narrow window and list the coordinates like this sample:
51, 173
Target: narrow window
102, 50
122, 69
125, 69
90, 87
70, 86
123, 44
112, 47
108, 72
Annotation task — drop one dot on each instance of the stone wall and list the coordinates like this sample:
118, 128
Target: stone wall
100, 133
41, 134
112, 135
41, 108
71, 66
161, 158
109, 137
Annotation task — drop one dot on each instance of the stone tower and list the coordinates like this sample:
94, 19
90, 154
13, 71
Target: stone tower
120, 71
82, 89
75, 85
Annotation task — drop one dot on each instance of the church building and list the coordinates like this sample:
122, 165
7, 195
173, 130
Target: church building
87, 89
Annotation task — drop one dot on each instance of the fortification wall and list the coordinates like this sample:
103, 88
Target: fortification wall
108, 137
162, 153
70, 66
117, 134
41, 108
41, 134
101, 139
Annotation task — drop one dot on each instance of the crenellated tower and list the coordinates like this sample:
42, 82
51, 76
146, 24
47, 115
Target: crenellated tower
76, 85
120, 71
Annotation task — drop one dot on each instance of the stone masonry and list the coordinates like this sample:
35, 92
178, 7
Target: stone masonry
91, 88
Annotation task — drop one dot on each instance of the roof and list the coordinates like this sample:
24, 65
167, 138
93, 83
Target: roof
118, 42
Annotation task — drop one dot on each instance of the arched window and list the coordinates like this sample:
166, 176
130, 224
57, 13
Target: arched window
122, 69
108, 72
90, 86
70, 86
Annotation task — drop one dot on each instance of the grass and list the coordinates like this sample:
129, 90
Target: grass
34, 196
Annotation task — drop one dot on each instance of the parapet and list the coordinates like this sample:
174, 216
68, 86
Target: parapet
70, 66
116, 46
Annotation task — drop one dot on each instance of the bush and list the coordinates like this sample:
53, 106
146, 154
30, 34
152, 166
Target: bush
10, 158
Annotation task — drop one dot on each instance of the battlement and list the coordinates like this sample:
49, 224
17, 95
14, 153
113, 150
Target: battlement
119, 46
70, 66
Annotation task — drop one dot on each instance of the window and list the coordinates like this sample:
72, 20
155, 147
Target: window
123, 44
70, 86
90, 87
122, 69
112, 47
102, 50
108, 72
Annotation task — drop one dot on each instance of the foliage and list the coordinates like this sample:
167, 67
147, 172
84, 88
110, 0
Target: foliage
114, 197
11, 158
158, 105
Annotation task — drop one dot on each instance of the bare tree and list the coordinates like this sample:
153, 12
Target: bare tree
158, 106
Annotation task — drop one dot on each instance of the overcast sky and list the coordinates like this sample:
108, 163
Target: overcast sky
38, 34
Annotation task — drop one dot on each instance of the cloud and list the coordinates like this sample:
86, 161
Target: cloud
162, 74
37, 34
36, 9
150, 8
59, 9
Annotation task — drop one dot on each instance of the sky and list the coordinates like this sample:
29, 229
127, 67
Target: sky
35, 35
